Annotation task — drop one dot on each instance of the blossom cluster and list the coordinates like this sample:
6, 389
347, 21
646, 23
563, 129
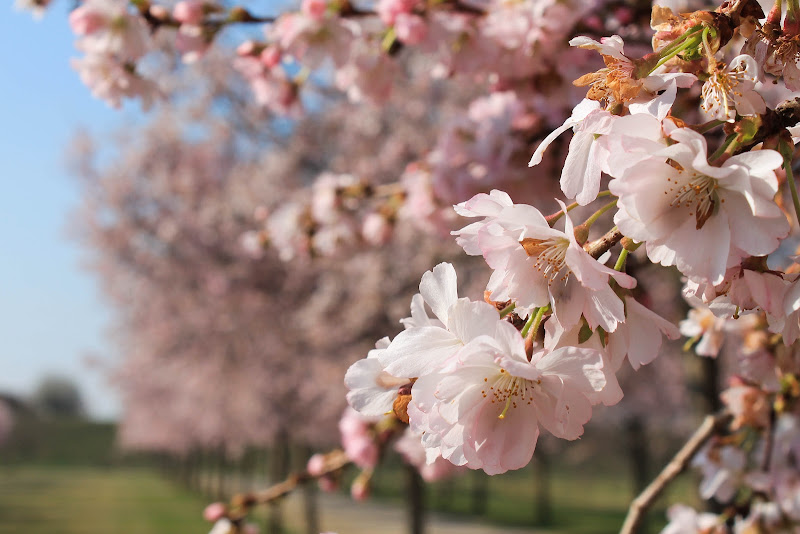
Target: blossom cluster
479, 380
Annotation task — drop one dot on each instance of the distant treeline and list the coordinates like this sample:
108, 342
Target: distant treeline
59, 442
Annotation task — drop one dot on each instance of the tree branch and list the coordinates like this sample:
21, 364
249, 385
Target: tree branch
711, 425
601, 246
241, 503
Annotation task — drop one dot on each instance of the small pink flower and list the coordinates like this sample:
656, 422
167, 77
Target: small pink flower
270, 56
314, 8
107, 27
85, 21
360, 488
189, 12
484, 411
215, 511
375, 229
536, 265
328, 484
358, 443
316, 465
388, 10
699, 217
410, 29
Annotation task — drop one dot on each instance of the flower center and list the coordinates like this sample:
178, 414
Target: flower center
721, 88
550, 256
509, 390
698, 194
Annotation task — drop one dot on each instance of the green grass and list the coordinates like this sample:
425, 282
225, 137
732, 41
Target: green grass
39, 500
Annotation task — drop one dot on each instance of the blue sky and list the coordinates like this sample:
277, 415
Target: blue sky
51, 313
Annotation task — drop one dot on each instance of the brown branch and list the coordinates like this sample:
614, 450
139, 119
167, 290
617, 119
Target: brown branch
600, 246
241, 503
711, 425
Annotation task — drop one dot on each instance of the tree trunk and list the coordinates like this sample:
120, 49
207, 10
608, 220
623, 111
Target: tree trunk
710, 384
309, 492
278, 471
416, 501
480, 492
639, 457
542, 474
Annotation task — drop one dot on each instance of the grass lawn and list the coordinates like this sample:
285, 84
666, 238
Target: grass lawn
85, 500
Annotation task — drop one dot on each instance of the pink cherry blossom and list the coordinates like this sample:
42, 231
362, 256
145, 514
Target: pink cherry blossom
723, 469
388, 10
223, 526
730, 90
372, 390
112, 81
410, 29
214, 511
314, 8
419, 350
685, 520
536, 265
410, 448
702, 324
316, 465
107, 27
189, 12
357, 440
701, 218
484, 412
640, 336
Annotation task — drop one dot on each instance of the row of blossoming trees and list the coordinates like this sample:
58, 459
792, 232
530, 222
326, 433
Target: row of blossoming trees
683, 143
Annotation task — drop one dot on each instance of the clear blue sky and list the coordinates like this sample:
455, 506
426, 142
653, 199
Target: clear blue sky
51, 313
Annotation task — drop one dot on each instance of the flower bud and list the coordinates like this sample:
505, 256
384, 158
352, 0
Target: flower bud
189, 12
215, 511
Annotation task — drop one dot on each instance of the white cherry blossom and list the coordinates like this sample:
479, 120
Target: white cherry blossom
485, 410
699, 217
536, 265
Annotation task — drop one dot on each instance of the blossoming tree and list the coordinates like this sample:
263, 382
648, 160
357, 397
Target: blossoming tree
681, 155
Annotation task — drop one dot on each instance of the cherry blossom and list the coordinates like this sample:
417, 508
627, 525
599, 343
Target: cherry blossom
107, 27
730, 90
705, 218
536, 265
420, 349
481, 411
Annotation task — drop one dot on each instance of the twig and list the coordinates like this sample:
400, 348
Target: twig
601, 246
711, 425
241, 503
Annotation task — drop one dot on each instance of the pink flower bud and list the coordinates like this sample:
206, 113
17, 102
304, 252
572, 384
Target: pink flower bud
410, 29
261, 213
189, 12
328, 484
215, 511
389, 9
376, 230
270, 56
84, 20
624, 15
247, 48
316, 465
359, 490
314, 8
159, 12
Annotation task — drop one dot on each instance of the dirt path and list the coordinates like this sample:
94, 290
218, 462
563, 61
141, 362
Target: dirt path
340, 514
